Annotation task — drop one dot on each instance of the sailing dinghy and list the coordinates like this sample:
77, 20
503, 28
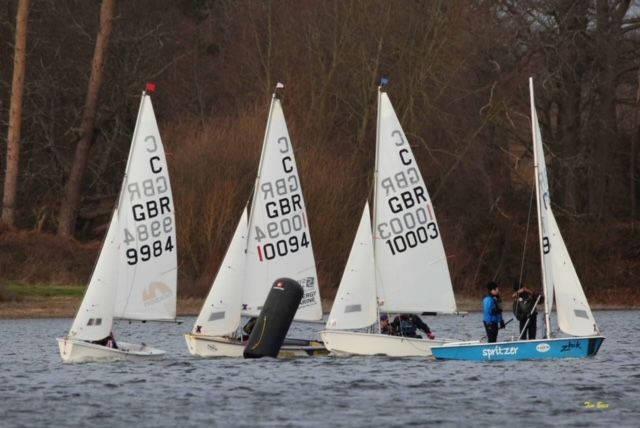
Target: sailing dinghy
400, 267
271, 241
559, 279
135, 277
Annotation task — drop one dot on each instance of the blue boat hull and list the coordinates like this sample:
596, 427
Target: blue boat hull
540, 349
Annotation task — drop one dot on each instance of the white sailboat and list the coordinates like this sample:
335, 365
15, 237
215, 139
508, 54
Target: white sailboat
270, 242
559, 280
135, 276
400, 267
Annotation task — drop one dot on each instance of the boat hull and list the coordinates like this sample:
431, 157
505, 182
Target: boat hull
214, 346
79, 351
341, 342
539, 349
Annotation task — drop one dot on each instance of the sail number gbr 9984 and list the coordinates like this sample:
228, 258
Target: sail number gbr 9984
284, 229
407, 219
151, 210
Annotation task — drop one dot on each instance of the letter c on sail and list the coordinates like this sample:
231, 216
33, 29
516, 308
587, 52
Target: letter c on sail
155, 168
154, 146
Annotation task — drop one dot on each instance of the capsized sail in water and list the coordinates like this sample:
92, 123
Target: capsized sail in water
559, 280
135, 276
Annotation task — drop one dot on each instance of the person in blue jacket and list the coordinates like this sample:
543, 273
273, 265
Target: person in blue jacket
492, 306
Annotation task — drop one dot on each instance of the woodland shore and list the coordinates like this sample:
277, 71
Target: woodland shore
66, 306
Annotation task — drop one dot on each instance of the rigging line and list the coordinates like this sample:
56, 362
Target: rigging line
526, 236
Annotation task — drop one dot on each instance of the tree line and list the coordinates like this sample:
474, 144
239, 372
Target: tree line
458, 72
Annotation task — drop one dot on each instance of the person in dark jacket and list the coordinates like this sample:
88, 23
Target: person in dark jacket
492, 312
109, 341
248, 327
407, 325
524, 309
385, 325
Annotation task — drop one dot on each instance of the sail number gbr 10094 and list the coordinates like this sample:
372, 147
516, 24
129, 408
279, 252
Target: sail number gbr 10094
292, 234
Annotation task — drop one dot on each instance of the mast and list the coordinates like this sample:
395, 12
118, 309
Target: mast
383, 81
536, 168
274, 97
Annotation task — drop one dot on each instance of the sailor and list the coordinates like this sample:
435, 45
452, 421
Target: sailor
385, 326
407, 325
524, 309
492, 306
111, 341
108, 341
248, 327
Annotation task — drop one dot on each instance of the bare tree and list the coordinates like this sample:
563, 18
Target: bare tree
71, 199
15, 116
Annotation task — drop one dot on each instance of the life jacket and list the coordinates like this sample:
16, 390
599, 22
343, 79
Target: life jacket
523, 306
407, 328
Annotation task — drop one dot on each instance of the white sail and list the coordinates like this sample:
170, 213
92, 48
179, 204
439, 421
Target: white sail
543, 203
355, 303
411, 267
147, 272
94, 319
279, 243
574, 314
220, 314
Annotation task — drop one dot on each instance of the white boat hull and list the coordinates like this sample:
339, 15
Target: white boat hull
340, 342
213, 346
79, 351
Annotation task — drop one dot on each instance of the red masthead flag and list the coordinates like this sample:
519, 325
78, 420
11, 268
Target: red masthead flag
151, 87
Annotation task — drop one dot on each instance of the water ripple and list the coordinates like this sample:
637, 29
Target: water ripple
351, 391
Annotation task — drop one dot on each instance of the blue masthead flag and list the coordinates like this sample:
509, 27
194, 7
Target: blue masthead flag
384, 81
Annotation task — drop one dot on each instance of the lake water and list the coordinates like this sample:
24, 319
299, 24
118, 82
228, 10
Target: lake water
36, 389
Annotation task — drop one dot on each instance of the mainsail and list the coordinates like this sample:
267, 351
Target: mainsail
279, 241
544, 205
355, 303
412, 273
559, 274
220, 314
147, 268
95, 316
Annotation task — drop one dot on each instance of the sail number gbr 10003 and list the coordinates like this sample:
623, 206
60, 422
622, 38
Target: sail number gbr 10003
400, 233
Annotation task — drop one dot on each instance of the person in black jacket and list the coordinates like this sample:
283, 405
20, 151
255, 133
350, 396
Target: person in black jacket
385, 325
109, 341
524, 309
407, 325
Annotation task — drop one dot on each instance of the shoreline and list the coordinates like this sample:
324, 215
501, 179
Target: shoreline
66, 307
